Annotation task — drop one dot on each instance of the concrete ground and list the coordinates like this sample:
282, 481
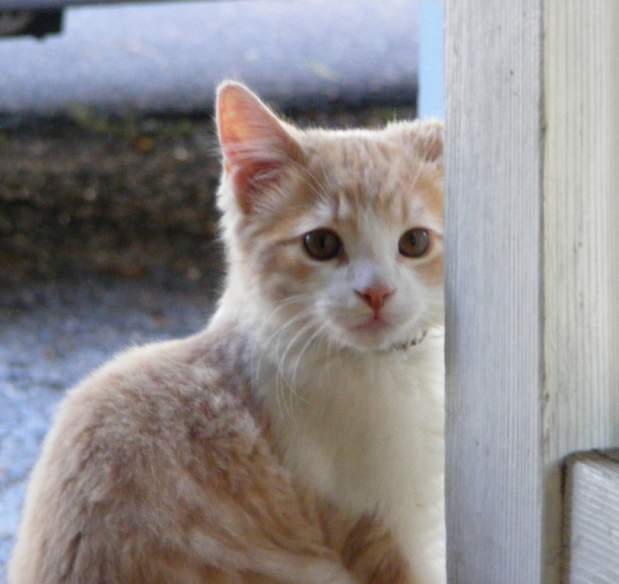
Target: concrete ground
107, 222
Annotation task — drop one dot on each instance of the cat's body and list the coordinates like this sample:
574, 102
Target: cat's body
273, 447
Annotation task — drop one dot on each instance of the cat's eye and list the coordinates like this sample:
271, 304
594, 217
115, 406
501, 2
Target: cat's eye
322, 244
414, 243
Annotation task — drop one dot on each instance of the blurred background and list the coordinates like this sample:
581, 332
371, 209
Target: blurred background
108, 166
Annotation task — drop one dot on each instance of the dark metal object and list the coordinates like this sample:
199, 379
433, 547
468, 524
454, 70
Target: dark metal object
41, 17
30, 23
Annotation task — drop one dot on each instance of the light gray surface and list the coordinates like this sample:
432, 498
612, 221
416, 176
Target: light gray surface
593, 518
170, 57
493, 285
51, 335
581, 249
532, 272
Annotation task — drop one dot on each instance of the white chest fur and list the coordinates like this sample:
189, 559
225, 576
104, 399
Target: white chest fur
367, 433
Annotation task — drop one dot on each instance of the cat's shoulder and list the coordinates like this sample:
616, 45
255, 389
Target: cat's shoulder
146, 369
164, 390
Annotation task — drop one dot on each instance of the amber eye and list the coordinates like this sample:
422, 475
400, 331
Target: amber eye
414, 243
322, 244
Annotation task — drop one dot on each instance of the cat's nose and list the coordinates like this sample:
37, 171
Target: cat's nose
375, 297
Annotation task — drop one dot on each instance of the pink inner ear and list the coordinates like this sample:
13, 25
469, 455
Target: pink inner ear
255, 144
250, 178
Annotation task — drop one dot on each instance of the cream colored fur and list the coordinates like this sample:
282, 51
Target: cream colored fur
377, 444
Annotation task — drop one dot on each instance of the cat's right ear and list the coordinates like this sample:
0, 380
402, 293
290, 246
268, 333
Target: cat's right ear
255, 144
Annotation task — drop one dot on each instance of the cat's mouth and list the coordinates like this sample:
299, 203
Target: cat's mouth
375, 323
381, 332
370, 332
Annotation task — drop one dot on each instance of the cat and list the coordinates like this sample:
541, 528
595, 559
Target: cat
299, 437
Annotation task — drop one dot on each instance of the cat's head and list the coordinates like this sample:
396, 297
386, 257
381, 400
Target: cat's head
335, 234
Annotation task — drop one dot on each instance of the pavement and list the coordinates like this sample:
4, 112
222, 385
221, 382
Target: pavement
128, 204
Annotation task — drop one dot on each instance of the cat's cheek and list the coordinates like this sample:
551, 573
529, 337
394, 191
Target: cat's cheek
295, 271
282, 275
431, 273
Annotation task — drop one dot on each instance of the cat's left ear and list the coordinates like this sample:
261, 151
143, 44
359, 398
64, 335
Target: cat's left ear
429, 140
426, 138
256, 146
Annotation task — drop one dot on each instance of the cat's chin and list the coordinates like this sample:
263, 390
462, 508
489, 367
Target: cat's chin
373, 335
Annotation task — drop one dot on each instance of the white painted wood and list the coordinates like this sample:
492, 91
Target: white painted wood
581, 247
493, 239
532, 218
592, 496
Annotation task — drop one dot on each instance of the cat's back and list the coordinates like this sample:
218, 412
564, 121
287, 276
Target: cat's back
149, 432
167, 392
155, 401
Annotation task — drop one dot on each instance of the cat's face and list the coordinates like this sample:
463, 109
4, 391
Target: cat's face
336, 235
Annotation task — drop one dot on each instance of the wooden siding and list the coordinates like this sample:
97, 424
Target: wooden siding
532, 218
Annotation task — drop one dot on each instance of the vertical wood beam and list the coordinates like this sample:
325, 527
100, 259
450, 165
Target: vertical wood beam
580, 253
532, 273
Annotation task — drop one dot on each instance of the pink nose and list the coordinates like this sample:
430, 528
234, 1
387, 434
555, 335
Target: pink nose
375, 297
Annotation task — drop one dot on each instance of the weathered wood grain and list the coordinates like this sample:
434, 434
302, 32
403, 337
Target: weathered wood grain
494, 334
580, 254
532, 218
592, 496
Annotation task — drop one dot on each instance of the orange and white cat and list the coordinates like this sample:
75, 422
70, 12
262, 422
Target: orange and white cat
299, 437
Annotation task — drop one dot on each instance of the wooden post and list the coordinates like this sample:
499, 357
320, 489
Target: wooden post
532, 236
